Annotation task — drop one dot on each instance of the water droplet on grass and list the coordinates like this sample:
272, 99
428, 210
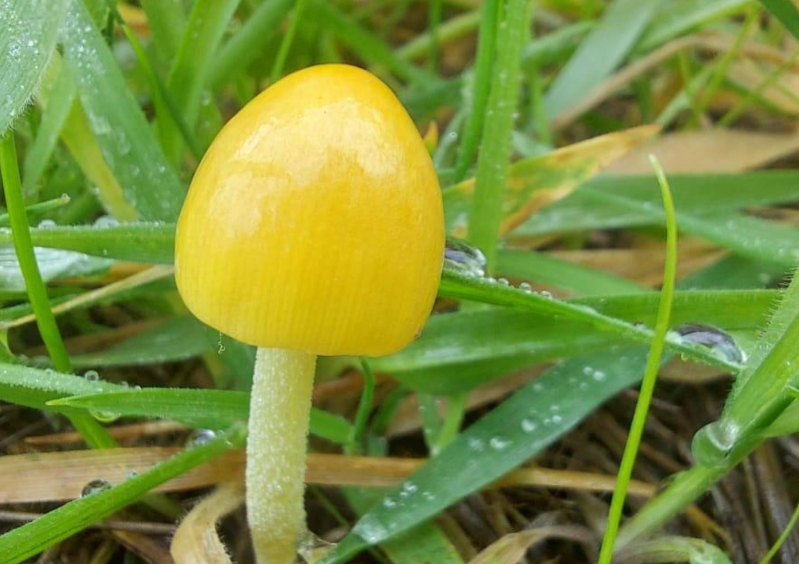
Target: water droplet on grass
719, 342
713, 442
94, 487
200, 437
461, 257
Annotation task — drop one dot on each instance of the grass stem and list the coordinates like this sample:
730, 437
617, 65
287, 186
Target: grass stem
650, 375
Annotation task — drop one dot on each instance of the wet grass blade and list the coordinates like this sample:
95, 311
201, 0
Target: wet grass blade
599, 54
118, 124
696, 193
176, 339
27, 38
187, 79
456, 285
147, 242
210, 409
32, 538
512, 433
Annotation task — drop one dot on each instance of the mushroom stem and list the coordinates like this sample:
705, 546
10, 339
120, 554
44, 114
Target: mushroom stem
279, 411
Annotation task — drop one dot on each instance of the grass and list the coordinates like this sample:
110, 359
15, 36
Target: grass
497, 433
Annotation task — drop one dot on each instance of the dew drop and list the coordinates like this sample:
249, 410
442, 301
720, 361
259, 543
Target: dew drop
105, 221
498, 443
104, 416
91, 375
720, 343
476, 444
200, 437
529, 425
47, 224
461, 257
94, 487
713, 442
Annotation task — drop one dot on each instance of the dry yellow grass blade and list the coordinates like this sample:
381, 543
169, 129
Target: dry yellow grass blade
511, 548
89, 298
60, 476
196, 540
709, 150
537, 182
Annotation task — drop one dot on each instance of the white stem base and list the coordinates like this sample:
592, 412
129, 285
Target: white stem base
279, 410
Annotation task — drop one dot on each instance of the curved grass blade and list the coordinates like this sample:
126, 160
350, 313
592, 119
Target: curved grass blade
650, 374
128, 145
32, 538
27, 38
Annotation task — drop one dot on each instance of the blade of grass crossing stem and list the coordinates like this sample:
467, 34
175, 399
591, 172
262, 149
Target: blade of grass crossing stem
28, 35
483, 78
71, 518
288, 38
492, 165
94, 434
599, 54
786, 12
650, 374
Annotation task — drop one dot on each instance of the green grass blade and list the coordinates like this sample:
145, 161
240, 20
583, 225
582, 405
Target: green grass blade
492, 166
32, 538
177, 339
650, 375
122, 132
211, 409
575, 278
27, 38
483, 79
137, 242
167, 22
599, 54
518, 429
455, 285
288, 39
37, 292
188, 77
699, 193
53, 119
246, 46
673, 19
365, 43
786, 12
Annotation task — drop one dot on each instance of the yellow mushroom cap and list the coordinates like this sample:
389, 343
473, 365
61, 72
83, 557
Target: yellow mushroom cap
314, 221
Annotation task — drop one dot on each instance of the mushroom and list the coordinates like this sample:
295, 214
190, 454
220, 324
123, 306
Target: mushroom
313, 226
